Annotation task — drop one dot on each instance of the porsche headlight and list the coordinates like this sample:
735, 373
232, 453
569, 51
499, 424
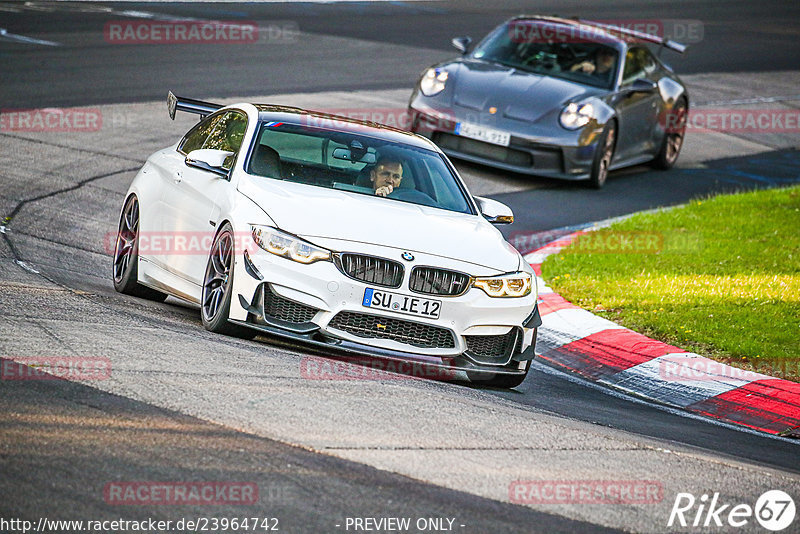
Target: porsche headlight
432, 82
575, 116
281, 244
507, 285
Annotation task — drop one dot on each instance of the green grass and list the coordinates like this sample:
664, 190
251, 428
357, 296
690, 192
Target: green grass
719, 277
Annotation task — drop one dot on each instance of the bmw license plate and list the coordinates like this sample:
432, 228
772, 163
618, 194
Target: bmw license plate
395, 302
481, 133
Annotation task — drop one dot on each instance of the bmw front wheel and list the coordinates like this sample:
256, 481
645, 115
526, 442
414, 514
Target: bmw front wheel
215, 302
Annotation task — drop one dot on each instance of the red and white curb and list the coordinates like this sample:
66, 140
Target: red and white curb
605, 352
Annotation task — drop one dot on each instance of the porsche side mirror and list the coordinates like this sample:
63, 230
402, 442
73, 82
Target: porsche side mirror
209, 159
462, 44
495, 212
642, 85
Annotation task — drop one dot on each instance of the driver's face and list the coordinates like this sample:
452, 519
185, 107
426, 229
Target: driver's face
605, 61
386, 174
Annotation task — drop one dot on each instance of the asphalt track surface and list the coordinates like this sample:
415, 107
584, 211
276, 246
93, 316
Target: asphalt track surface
736, 36
57, 435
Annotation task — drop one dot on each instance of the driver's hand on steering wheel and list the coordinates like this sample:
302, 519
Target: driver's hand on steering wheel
384, 190
585, 66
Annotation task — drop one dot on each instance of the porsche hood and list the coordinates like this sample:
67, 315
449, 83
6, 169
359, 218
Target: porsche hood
516, 94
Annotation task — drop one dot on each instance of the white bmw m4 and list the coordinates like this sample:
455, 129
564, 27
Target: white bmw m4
338, 233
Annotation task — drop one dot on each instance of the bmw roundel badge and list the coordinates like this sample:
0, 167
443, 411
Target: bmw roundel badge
408, 256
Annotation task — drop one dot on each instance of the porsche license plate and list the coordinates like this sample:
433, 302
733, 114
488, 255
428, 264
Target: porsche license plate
395, 302
482, 133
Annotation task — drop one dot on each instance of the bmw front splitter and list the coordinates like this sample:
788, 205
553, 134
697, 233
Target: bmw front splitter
310, 334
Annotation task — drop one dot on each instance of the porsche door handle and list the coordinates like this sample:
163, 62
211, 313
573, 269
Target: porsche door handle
178, 177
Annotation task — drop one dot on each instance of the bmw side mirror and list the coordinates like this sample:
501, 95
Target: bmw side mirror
462, 44
210, 160
495, 212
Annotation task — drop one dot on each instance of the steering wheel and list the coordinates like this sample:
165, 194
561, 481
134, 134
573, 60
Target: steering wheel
412, 195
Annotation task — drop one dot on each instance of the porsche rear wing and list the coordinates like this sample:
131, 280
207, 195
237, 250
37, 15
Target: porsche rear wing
178, 103
647, 37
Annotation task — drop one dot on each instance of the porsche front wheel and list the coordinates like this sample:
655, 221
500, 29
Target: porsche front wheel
603, 155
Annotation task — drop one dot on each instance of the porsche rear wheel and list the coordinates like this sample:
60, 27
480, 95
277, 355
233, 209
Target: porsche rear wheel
215, 302
603, 155
126, 255
673, 137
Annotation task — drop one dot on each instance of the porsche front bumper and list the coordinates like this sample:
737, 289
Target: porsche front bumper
562, 154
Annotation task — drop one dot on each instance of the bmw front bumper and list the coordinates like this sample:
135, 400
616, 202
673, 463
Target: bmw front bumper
318, 304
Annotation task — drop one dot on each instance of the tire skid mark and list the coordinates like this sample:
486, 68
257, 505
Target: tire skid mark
69, 147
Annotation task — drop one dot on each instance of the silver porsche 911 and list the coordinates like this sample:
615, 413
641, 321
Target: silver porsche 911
554, 97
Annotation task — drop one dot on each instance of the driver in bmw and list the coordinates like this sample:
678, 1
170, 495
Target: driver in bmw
386, 175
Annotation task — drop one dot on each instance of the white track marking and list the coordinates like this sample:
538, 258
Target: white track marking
26, 266
681, 379
549, 369
754, 100
22, 39
568, 325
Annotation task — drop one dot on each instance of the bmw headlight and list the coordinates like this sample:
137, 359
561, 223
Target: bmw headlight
432, 82
575, 116
288, 246
507, 285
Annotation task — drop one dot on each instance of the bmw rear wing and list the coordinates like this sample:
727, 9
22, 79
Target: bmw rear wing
190, 105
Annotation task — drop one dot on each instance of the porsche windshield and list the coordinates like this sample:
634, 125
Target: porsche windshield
350, 161
581, 54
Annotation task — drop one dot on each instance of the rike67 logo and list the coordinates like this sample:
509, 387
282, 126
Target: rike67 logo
774, 510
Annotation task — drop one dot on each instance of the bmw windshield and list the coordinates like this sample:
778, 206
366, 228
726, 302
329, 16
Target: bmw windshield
357, 163
579, 54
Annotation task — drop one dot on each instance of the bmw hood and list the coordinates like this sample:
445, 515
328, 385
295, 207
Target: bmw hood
516, 94
316, 212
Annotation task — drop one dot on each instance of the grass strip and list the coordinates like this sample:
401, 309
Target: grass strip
719, 277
